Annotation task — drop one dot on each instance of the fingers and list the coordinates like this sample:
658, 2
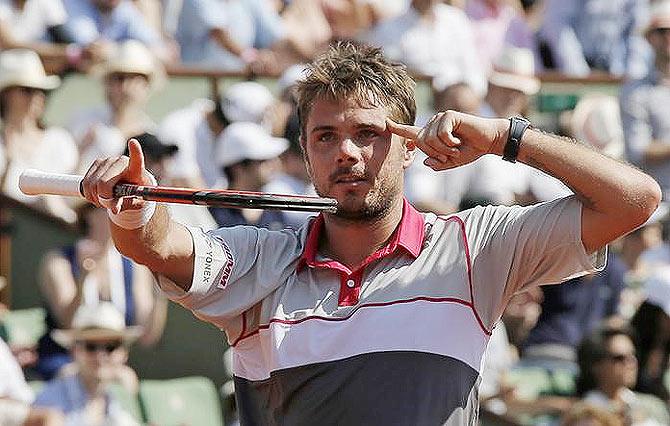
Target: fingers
437, 140
98, 183
402, 130
136, 166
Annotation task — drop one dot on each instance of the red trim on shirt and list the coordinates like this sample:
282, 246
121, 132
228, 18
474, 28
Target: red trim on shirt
469, 263
353, 311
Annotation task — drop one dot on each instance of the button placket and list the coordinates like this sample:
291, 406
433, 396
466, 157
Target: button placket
350, 286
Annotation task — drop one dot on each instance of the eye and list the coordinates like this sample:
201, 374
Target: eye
325, 137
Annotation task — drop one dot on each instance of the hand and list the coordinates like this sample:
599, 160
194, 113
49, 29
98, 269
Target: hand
98, 184
452, 139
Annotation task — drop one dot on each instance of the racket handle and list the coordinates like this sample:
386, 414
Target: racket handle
36, 182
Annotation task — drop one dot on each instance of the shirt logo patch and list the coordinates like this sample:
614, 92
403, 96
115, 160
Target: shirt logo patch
228, 267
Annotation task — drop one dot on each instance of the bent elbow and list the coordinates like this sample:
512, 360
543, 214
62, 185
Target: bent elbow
648, 196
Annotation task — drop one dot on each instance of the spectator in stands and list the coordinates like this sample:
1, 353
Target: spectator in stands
25, 141
644, 104
232, 35
571, 311
37, 25
510, 87
249, 156
130, 76
195, 129
158, 159
651, 324
16, 396
98, 342
586, 35
608, 371
433, 39
87, 273
101, 24
492, 21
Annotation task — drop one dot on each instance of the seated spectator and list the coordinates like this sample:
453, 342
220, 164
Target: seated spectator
86, 273
101, 24
98, 342
158, 158
571, 311
510, 87
16, 396
195, 129
25, 141
586, 35
232, 35
645, 104
419, 38
651, 324
248, 156
493, 21
608, 371
38, 25
130, 77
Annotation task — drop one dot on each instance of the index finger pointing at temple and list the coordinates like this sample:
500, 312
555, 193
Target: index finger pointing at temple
403, 130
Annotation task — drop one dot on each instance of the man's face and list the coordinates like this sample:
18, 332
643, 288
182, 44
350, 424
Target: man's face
106, 5
127, 89
97, 358
353, 158
660, 42
507, 102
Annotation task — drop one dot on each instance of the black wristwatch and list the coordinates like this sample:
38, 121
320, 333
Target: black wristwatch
517, 126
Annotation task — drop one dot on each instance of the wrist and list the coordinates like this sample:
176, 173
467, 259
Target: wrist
501, 136
136, 218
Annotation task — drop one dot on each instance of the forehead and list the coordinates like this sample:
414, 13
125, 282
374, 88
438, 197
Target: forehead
344, 113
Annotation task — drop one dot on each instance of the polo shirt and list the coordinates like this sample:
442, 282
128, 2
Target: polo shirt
400, 338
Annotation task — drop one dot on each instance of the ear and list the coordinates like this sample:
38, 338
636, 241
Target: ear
410, 153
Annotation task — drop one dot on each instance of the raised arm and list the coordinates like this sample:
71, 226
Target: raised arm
164, 246
616, 197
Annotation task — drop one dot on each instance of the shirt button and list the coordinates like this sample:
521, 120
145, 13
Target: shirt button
350, 283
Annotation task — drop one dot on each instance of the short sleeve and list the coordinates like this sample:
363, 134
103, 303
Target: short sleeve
514, 248
235, 268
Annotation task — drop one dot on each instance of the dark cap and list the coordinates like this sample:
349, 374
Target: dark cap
153, 148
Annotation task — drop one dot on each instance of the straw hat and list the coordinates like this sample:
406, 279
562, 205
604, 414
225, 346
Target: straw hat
596, 120
132, 57
23, 68
515, 69
96, 322
659, 16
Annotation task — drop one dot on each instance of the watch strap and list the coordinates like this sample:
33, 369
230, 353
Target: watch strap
517, 126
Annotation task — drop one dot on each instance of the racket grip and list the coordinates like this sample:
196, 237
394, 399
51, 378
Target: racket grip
36, 182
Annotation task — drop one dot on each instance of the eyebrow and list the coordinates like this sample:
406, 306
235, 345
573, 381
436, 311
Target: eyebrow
357, 126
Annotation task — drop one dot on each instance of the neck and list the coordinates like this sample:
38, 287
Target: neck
663, 66
19, 123
350, 242
613, 392
214, 124
93, 385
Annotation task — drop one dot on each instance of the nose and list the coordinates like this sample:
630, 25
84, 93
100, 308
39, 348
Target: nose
349, 151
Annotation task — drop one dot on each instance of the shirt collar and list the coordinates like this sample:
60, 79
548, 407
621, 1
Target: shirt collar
409, 235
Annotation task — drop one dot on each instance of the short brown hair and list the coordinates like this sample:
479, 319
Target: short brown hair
350, 70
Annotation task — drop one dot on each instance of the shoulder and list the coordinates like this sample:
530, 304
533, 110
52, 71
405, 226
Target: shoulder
55, 392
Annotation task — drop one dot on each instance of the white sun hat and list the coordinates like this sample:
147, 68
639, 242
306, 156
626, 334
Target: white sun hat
247, 141
515, 69
596, 120
133, 57
659, 16
23, 68
246, 101
96, 322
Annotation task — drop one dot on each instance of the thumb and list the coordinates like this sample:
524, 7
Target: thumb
135, 169
403, 130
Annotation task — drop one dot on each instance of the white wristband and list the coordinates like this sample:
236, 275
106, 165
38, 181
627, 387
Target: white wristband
137, 218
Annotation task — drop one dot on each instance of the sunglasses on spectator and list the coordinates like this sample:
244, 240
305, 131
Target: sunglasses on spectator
108, 347
621, 357
28, 90
661, 31
120, 77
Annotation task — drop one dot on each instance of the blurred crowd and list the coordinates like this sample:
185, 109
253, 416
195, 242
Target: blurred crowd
600, 344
